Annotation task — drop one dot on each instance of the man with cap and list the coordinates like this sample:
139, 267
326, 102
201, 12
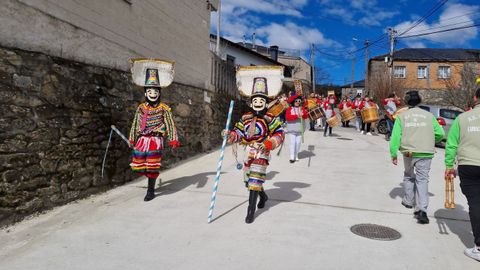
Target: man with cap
153, 121
414, 133
261, 132
463, 143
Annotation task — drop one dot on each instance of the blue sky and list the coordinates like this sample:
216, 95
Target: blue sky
338, 27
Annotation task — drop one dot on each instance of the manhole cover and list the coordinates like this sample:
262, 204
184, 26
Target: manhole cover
376, 232
345, 139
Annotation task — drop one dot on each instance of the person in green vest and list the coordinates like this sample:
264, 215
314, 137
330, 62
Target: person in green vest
463, 143
414, 133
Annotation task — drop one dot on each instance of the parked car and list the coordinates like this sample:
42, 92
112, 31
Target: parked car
445, 116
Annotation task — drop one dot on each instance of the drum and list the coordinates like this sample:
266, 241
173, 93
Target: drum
370, 115
311, 103
333, 121
347, 114
316, 113
278, 108
397, 112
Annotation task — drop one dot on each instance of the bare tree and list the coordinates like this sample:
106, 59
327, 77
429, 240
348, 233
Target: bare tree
321, 76
459, 93
379, 86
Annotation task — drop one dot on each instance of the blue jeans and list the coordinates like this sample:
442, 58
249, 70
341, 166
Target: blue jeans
390, 126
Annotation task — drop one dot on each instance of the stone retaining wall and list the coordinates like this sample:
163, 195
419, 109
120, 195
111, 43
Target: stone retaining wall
55, 121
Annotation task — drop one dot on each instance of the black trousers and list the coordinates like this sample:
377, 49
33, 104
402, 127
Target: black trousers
470, 184
327, 127
369, 125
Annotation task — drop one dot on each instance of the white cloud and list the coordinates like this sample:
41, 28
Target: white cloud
454, 15
293, 36
239, 20
377, 18
279, 7
357, 12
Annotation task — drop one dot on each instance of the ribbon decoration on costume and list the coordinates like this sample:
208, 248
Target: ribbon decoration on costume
108, 144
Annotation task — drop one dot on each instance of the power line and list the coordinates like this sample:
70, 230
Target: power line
443, 26
441, 31
424, 17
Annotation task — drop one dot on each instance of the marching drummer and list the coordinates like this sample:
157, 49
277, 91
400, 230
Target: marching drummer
355, 106
329, 113
296, 116
414, 133
365, 104
345, 104
463, 143
390, 104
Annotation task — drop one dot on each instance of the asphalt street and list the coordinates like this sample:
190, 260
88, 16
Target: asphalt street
340, 181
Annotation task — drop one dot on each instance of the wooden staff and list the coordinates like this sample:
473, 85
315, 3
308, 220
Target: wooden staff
449, 192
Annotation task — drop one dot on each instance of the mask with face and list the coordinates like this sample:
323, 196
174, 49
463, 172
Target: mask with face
259, 104
152, 96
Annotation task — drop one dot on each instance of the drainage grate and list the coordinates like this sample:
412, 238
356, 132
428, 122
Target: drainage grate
376, 232
345, 139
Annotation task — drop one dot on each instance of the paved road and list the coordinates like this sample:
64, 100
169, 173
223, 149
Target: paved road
339, 182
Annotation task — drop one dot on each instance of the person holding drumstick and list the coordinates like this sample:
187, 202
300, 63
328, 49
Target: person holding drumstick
329, 113
355, 106
390, 104
344, 104
366, 103
463, 143
414, 133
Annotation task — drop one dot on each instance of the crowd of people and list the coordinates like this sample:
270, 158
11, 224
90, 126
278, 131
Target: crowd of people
413, 132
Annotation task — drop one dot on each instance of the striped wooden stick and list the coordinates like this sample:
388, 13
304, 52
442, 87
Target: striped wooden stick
219, 167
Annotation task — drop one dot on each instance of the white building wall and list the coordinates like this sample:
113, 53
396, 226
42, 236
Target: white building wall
242, 57
109, 32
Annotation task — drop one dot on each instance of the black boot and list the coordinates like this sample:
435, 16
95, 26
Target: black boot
252, 201
263, 199
150, 190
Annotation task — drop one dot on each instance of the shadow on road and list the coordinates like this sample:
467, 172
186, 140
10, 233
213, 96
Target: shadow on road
271, 175
284, 192
305, 154
461, 228
178, 184
399, 192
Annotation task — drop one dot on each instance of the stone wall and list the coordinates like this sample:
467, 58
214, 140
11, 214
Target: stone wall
106, 32
55, 121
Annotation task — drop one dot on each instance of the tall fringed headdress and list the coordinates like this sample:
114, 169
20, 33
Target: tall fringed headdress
260, 81
148, 72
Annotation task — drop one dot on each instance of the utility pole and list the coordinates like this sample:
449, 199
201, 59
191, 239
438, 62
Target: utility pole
313, 68
218, 29
353, 72
390, 60
366, 67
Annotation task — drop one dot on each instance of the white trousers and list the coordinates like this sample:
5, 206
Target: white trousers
295, 141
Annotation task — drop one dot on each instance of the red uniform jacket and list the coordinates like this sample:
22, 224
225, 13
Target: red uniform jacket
292, 117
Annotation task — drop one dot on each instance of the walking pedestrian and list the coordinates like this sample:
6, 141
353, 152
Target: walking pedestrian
414, 133
463, 143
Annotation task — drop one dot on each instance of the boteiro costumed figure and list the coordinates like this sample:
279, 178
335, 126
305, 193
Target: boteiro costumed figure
153, 119
259, 131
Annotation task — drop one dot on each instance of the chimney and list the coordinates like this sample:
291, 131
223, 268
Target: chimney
253, 42
244, 38
274, 52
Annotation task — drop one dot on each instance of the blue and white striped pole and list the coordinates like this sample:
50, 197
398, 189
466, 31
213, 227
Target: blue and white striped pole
219, 167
